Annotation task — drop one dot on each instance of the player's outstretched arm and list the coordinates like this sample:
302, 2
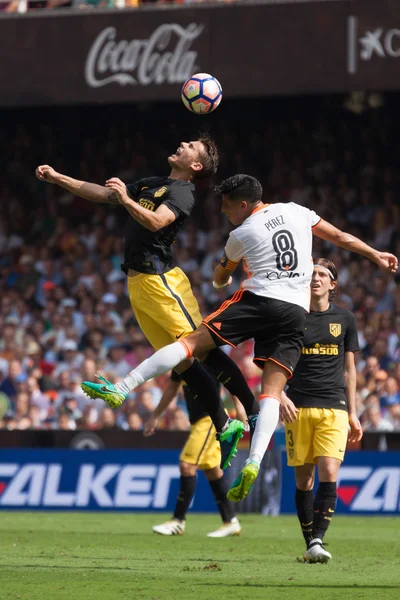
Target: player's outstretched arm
169, 393
350, 376
83, 189
385, 261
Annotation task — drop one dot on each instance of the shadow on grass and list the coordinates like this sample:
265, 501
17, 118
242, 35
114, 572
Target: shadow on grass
353, 586
71, 568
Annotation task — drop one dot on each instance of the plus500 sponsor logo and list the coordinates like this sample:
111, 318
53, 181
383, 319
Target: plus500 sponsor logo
108, 486
365, 489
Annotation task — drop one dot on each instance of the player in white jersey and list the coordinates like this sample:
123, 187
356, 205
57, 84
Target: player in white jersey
275, 242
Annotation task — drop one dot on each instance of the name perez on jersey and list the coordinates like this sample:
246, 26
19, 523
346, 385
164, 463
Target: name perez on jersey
275, 222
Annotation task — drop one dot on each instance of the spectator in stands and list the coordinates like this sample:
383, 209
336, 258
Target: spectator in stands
107, 419
374, 421
391, 394
135, 423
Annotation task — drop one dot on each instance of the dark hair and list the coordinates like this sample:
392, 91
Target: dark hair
209, 158
328, 264
241, 187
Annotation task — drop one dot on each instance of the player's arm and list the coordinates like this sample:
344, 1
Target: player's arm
83, 189
169, 393
233, 254
385, 261
151, 220
223, 272
350, 377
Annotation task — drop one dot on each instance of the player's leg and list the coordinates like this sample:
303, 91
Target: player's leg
278, 345
206, 450
330, 440
226, 370
273, 382
219, 488
324, 507
165, 309
300, 455
231, 377
200, 434
187, 488
304, 499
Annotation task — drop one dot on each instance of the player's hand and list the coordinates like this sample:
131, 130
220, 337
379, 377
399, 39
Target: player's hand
356, 432
219, 286
47, 173
119, 188
287, 410
387, 262
150, 426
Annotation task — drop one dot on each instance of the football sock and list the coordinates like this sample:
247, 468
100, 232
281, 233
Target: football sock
324, 507
219, 489
305, 512
266, 425
229, 374
185, 496
205, 391
159, 363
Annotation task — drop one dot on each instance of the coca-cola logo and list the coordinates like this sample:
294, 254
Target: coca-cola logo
164, 57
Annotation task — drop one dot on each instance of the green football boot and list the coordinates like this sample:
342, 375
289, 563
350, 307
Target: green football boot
243, 482
229, 440
106, 391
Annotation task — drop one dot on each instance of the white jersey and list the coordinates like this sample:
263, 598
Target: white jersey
275, 243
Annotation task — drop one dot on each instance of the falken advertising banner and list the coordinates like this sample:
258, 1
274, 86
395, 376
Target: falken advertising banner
142, 55
368, 484
107, 480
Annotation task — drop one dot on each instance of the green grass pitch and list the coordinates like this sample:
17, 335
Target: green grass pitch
81, 556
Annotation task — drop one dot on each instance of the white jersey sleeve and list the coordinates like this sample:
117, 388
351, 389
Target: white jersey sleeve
234, 249
275, 243
315, 219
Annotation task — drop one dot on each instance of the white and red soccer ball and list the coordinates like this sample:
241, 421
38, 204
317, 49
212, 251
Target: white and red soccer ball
202, 93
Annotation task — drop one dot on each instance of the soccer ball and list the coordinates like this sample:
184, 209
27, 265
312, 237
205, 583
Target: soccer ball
202, 93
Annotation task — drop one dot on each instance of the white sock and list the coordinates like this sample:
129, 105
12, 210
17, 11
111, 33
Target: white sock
266, 425
159, 363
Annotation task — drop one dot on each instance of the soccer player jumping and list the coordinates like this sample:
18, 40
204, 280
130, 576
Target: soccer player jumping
275, 242
160, 293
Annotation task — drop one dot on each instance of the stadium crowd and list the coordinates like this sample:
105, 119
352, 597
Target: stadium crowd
21, 6
64, 309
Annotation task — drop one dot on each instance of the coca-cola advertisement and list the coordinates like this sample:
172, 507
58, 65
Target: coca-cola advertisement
145, 55
165, 57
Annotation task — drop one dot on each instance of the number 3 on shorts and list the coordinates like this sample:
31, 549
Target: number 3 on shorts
289, 434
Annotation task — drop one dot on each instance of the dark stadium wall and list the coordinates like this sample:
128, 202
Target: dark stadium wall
141, 55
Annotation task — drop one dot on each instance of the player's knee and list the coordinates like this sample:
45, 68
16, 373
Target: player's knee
186, 469
305, 483
328, 469
213, 474
328, 474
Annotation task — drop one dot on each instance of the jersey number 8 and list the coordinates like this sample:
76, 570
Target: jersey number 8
286, 254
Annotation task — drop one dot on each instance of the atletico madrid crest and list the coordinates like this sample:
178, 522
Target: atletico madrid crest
335, 329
